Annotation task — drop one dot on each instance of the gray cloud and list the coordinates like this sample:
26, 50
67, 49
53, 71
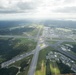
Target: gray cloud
66, 10
19, 8
9, 11
38, 8
25, 5
69, 1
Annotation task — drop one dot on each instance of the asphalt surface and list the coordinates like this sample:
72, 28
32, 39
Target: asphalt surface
55, 46
16, 36
35, 57
34, 62
73, 57
17, 58
36, 52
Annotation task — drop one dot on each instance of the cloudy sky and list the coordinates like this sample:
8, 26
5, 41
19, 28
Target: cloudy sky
39, 9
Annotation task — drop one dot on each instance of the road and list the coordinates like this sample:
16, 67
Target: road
55, 46
67, 54
34, 62
35, 57
17, 58
36, 51
16, 36
73, 57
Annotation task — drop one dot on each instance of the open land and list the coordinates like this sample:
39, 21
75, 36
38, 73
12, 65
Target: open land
37, 50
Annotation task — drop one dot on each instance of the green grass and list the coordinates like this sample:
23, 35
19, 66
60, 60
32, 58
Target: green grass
51, 42
64, 69
72, 43
10, 47
2, 59
8, 71
41, 65
54, 68
16, 30
56, 38
47, 67
31, 44
34, 32
48, 71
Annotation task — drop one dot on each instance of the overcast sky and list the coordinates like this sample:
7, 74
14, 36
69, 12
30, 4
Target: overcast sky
39, 9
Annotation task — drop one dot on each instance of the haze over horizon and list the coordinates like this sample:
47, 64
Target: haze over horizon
37, 9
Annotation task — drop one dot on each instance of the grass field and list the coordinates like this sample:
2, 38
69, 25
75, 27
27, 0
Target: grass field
34, 32
47, 67
20, 30
51, 42
54, 68
8, 71
24, 64
41, 65
11, 47
69, 43
31, 44
64, 69
21, 66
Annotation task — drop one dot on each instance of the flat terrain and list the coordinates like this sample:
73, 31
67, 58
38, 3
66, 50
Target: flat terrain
41, 64
20, 68
47, 67
38, 54
72, 50
11, 47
